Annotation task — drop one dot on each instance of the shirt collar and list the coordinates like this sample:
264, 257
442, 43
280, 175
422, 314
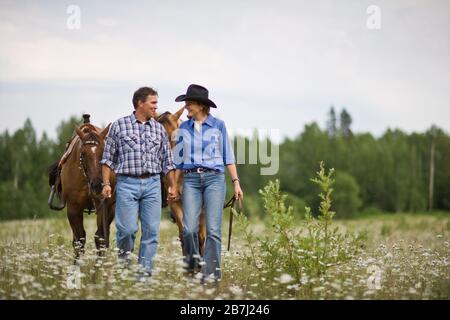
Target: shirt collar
209, 121
134, 120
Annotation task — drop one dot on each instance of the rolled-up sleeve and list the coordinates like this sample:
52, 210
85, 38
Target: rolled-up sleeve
167, 155
110, 155
228, 154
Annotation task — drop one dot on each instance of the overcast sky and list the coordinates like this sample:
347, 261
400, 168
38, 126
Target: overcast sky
267, 64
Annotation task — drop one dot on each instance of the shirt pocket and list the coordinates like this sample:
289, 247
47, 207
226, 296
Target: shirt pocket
129, 142
153, 142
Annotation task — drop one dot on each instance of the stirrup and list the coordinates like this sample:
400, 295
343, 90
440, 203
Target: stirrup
57, 207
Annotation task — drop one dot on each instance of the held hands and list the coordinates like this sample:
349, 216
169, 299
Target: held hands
173, 194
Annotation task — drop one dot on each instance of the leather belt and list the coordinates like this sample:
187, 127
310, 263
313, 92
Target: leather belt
142, 176
199, 170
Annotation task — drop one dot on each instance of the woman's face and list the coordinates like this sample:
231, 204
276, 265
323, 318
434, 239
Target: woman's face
193, 108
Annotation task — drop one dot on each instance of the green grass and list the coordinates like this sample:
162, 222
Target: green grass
410, 253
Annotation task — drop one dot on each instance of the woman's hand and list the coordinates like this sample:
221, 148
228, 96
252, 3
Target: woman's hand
173, 193
238, 193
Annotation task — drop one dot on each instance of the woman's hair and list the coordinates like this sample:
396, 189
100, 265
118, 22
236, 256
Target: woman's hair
206, 109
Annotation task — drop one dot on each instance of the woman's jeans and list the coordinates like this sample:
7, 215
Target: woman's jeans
136, 196
206, 190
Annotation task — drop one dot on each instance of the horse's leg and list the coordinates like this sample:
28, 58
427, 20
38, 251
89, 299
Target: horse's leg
177, 212
109, 220
75, 216
202, 233
101, 239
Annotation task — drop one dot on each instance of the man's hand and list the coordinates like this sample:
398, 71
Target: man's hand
106, 187
106, 191
173, 194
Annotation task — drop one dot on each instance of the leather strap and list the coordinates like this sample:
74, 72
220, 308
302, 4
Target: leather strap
232, 205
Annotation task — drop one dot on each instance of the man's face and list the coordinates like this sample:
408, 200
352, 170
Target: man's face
148, 108
193, 108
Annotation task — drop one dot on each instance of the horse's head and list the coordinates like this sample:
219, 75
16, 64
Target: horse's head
91, 151
170, 122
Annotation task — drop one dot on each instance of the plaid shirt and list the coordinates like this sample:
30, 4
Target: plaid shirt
136, 148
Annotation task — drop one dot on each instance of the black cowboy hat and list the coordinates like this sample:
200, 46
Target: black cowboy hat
196, 93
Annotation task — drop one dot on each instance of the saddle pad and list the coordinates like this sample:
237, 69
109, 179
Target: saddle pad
69, 150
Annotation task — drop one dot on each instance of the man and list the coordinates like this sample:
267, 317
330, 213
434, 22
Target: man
138, 150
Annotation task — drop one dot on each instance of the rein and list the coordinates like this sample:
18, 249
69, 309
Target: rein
232, 204
82, 166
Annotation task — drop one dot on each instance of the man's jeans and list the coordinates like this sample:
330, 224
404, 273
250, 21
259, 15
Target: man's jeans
134, 196
208, 190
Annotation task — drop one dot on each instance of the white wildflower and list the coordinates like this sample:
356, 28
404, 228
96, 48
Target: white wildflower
285, 278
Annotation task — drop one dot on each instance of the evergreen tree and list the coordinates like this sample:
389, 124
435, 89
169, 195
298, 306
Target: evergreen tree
345, 123
331, 123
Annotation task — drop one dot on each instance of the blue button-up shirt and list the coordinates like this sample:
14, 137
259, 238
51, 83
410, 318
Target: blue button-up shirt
208, 147
136, 148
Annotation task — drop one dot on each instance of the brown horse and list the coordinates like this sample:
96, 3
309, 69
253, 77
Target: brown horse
171, 123
81, 185
81, 179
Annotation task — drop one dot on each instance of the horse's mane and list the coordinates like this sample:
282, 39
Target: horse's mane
163, 118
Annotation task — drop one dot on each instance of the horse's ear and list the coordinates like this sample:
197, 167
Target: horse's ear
178, 114
79, 132
105, 131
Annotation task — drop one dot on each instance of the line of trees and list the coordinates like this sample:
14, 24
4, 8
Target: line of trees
395, 172
24, 159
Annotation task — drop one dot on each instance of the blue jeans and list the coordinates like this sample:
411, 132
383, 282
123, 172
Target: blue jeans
134, 196
203, 190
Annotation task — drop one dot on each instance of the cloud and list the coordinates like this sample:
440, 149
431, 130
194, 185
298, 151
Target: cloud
288, 58
106, 22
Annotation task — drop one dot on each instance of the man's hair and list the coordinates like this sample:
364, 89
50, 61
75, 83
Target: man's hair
141, 94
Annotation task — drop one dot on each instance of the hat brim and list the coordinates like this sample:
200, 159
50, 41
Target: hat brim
207, 102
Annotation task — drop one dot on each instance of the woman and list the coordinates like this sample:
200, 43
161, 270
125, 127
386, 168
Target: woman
201, 154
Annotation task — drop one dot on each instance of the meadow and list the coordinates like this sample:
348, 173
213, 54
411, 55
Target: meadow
285, 256
405, 256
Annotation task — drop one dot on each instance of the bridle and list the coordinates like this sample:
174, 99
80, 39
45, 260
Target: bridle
82, 167
83, 170
82, 164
